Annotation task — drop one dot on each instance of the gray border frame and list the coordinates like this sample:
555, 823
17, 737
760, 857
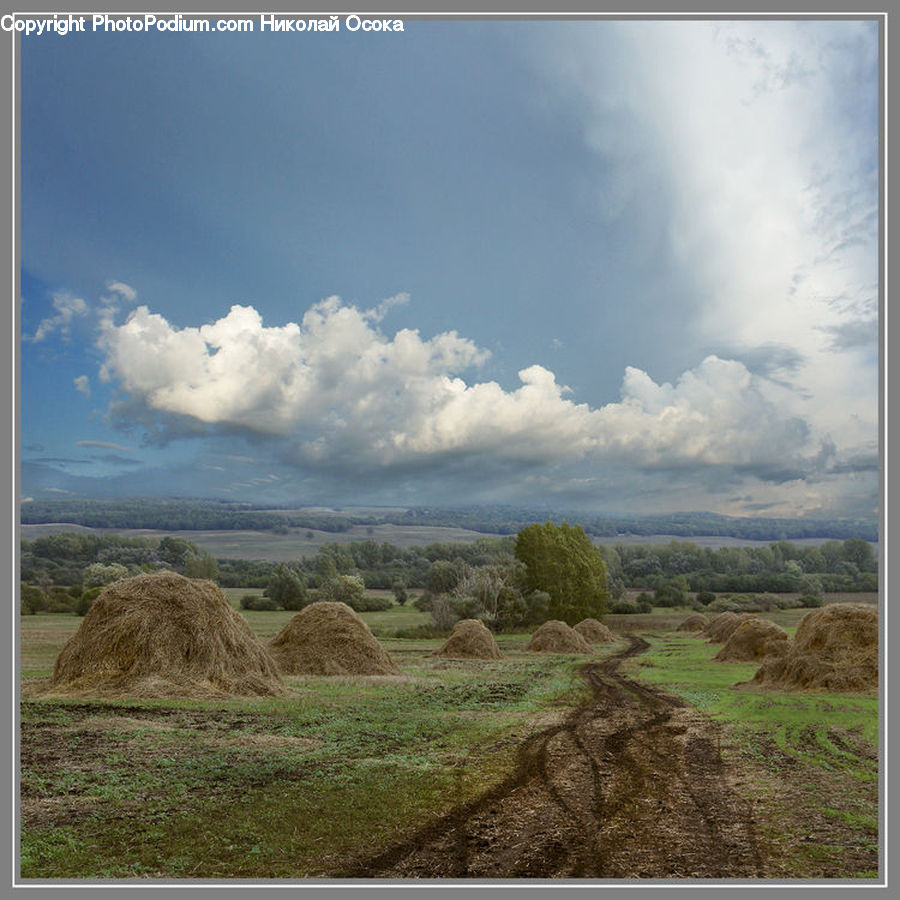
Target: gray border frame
575, 9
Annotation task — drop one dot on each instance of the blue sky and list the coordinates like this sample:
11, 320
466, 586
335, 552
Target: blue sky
624, 266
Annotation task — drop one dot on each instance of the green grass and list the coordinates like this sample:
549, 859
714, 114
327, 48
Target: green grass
684, 664
279, 787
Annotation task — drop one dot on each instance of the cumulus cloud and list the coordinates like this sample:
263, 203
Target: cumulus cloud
67, 308
337, 392
83, 385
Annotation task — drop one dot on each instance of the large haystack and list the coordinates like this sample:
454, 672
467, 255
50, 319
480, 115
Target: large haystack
835, 649
470, 639
557, 637
754, 639
329, 639
722, 626
594, 632
694, 622
163, 635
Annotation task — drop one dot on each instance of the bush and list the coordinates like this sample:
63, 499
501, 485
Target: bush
262, 604
368, 603
705, 597
423, 603
33, 600
59, 601
623, 607
670, 595
810, 601
248, 600
83, 603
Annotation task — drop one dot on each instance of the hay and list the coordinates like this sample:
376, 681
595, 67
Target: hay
163, 635
754, 639
835, 649
470, 639
329, 638
557, 637
594, 632
694, 622
722, 626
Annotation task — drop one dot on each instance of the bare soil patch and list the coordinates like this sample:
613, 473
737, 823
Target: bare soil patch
632, 784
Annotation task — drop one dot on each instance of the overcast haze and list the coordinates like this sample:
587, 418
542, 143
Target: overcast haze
622, 266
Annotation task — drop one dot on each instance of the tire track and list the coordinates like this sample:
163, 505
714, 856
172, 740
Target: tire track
628, 785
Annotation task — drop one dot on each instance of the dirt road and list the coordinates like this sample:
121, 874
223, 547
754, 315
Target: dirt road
630, 785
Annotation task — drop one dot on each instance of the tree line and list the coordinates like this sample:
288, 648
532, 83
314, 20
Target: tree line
183, 514
488, 576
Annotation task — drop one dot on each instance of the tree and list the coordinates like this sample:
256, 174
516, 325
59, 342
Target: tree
99, 575
561, 560
205, 566
349, 589
287, 588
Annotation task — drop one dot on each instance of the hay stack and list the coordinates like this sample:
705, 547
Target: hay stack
329, 639
754, 639
835, 649
470, 639
163, 635
694, 622
594, 632
557, 637
722, 626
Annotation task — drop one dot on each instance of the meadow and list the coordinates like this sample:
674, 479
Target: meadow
306, 785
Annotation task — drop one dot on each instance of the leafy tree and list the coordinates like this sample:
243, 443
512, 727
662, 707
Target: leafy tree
201, 566
561, 560
99, 575
349, 589
400, 593
443, 577
287, 588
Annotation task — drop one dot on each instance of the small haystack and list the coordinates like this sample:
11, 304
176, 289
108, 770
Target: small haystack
470, 639
594, 632
329, 639
694, 622
722, 626
835, 649
754, 639
557, 637
163, 635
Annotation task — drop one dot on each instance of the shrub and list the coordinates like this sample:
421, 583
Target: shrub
368, 603
623, 607
670, 595
705, 597
810, 601
83, 603
33, 600
248, 600
263, 604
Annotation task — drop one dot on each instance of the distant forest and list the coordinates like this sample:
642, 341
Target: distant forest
179, 514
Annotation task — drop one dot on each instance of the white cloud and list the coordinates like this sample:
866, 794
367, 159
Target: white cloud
338, 391
760, 139
82, 385
125, 291
67, 308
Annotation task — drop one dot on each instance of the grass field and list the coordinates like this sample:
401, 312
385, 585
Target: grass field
270, 788
295, 787
826, 744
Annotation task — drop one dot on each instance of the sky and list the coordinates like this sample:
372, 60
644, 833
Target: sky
618, 266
